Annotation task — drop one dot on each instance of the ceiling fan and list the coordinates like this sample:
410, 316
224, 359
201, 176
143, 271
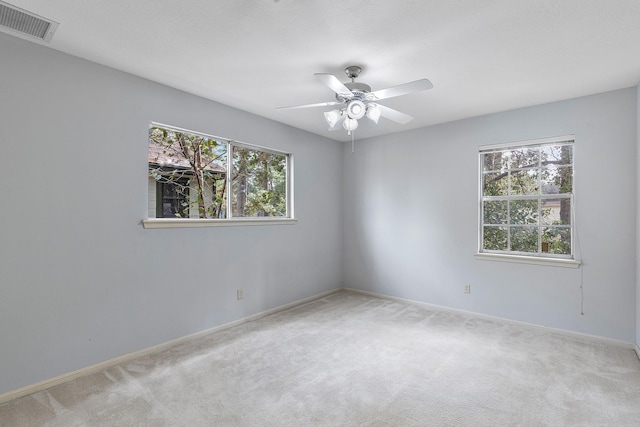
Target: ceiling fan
357, 100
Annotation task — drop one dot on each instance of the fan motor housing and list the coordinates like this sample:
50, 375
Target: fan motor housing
359, 90
357, 86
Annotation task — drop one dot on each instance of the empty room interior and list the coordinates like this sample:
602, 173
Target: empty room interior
280, 212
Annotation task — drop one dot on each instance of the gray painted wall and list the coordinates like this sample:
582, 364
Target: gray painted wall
411, 221
80, 280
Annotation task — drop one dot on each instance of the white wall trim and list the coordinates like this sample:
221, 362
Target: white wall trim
42, 385
637, 350
203, 222
571, 334
541, 141
522, 259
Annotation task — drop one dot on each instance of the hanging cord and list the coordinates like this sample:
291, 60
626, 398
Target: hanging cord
353, 143
581, 290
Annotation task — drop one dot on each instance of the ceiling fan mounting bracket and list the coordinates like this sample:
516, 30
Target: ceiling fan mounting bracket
353, 71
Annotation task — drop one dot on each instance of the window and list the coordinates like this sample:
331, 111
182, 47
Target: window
192, 176
527, 198
172, 198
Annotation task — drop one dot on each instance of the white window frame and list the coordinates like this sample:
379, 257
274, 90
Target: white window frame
540, 257
288, 219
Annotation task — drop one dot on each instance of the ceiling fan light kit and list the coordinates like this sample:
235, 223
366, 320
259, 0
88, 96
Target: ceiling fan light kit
350, 124
361, 101
373, 113
356, 109
333, 117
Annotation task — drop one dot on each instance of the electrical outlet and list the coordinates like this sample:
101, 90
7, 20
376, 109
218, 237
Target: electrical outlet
467, 288
240, 294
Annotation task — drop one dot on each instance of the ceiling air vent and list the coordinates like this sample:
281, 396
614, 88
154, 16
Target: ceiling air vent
19, 22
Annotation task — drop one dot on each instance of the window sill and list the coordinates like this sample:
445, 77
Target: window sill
554, 262
198, 223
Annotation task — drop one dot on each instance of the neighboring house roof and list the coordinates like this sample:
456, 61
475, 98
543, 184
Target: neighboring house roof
158, 157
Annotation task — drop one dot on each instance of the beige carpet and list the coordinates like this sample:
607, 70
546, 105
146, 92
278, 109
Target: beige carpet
354, 360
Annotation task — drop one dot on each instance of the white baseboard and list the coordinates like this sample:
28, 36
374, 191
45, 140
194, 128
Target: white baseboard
42, 385
572, 334
637, 350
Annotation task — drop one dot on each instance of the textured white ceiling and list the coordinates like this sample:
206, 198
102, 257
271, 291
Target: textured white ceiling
482, 56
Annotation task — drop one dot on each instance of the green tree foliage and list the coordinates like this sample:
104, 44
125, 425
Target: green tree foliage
258, 183
495, 238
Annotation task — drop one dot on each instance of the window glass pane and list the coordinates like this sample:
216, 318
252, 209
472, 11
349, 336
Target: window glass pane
524, 182
495, 184
557, 155
495, 212
549, 180
523, 211
524, 239
494, 238
196, 158
524, 157
556, 240
564, 180
258, 184
557, 179
494, 161
555, 211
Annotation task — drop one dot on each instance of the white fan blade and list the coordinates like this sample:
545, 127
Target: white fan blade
394, 115
403, 89
320, 104
334, 84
